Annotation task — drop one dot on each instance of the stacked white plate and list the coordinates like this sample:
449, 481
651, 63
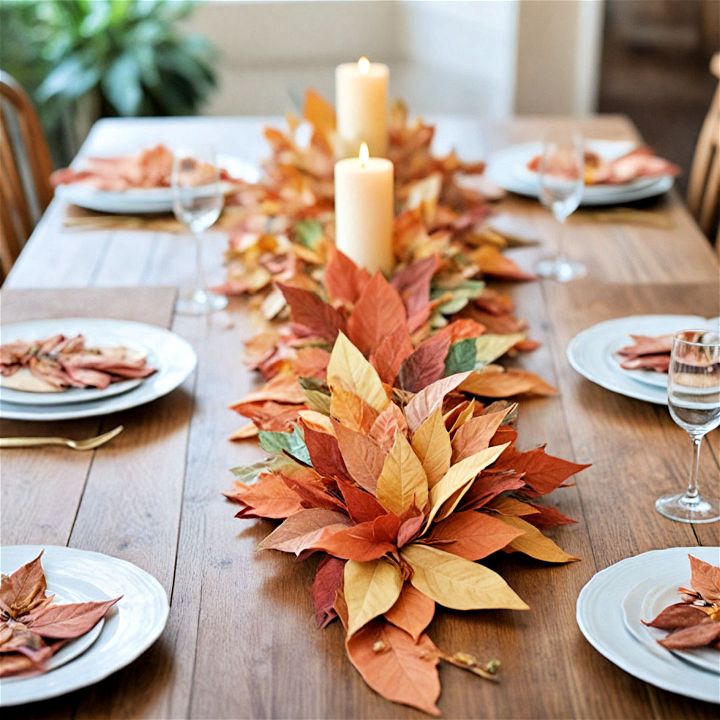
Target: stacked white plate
172, 356
611, 607
508, 168
146, 200
594, 353
129, 628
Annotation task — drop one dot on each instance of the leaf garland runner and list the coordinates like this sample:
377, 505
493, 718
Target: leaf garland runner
388, 422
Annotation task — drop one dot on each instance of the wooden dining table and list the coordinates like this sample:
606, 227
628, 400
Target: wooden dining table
241, 640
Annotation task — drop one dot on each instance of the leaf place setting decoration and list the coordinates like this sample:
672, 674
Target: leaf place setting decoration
695, 621
402, 492
33, 627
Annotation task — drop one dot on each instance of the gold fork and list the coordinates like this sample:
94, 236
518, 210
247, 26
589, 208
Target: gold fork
88, 444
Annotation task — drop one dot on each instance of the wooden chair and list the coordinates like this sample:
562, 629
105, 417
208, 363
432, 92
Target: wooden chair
704, 184
25, 189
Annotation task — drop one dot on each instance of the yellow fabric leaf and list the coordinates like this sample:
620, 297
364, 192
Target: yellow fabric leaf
464, 416
431, 443
489, 347
370, 589
402, 482
460, 477
349, 370
457, 583
533, 543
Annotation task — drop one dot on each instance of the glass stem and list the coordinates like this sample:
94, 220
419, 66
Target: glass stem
199, 270
693, 492
561, 257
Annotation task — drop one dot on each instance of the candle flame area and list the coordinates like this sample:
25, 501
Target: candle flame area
364, 153
364, 65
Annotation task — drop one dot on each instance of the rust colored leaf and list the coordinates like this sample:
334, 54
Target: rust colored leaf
542, 472
413, 284
312, 313
324, 453
269, 497
344, 280
397, 667
364, 542
387, 424
692, 637
388, 356
490, 485
425, 365
313, 492
283, 388
361, 505
377, 313
412, 612
65, 622
705, 579
23, 590
472, 535
679, 615
328, 580
304, 529
463, 329
492, 262
492, 382
362, 456
475, 434
319, 112
511, 507
547, 517
351, 410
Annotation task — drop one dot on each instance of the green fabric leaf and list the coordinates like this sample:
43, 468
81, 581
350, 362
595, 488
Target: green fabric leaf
309, 233
461, 357
293, 443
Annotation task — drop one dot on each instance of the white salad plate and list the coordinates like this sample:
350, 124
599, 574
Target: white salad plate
145, 200
173, 357
130, 627
508, 169
647, 600
600, 617
593, 353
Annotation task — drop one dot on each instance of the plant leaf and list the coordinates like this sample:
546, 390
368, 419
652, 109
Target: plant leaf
431, 398
475, 434
431, 443
363, 458
344, 280
705, 579
293, 443
425, 365
412, 612
23, 590
328, 580
402, 483
349, 370
302, 530
370, 588
65, 622
312, 313
397, 667
493, 382
533, 543
490, 347
366, 541
461, 357
269, 497
459, 478
458, 583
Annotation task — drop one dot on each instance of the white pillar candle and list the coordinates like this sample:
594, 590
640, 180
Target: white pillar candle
361, 102
364, 201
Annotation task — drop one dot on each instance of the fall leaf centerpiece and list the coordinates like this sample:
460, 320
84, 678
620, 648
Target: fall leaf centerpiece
32, 626
402, 492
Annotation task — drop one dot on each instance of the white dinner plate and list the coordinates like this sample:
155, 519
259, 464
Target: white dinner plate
593, 352
648, 599
600, 618
508, 168
173, 357
102, 335
130, 628
149, 200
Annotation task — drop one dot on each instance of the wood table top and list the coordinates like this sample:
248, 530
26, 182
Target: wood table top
241, 641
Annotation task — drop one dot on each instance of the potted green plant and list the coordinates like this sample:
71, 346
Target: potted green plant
83, 59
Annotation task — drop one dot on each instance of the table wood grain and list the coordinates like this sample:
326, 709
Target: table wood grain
240, 641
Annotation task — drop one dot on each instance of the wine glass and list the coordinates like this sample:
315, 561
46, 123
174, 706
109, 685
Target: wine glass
197, 202
694, 401
561, 179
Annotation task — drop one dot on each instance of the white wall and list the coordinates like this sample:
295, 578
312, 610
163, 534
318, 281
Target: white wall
483, 57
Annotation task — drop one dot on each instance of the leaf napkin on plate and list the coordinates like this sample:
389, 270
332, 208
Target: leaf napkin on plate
33, 627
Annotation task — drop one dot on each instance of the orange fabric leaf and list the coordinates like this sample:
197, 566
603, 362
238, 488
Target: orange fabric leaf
412, 612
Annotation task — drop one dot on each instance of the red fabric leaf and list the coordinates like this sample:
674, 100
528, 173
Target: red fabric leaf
344, 280
269, 497
548, 517
692, 637
312, 494
364, 542
489, 485
679, 615
328, 580
425, 365
361, 505
324, 452
389, 355
64, 622
413, 284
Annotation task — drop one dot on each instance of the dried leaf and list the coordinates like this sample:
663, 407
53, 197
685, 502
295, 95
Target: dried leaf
269, 497
366, 541
472, 535
431, 443
461, 357
350, 371
65, 622
361, 505
458, 583
389, 355
397, 667
679, 615
344, 280
328, 581
533, 543
402, 483
492, 382
387, 424
351, 410
476, 433
705, 579
362, 456
412, 612
24, 589
431, 398
692, 637
313, 314
425, 365
325, 453
370, 588
304, 529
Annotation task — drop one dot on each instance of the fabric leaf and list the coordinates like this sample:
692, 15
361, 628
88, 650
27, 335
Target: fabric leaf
370, 588
431, 443
533, 543
402, 483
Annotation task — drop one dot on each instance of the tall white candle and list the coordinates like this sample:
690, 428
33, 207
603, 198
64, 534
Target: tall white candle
364, 211
361, 103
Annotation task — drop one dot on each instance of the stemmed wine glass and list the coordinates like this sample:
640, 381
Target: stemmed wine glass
197, 202
694, 401
561, 178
